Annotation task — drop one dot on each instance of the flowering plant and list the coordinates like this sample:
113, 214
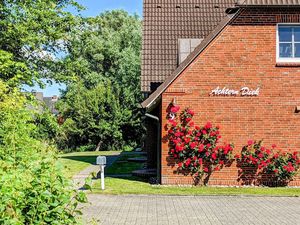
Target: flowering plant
281, 165
284, 165
254, 155
195, 148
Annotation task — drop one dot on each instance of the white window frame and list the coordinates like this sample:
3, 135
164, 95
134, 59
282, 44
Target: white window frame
281, 59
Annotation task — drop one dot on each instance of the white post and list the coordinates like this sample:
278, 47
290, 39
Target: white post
102, 177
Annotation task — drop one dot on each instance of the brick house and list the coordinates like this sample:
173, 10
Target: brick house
194, 50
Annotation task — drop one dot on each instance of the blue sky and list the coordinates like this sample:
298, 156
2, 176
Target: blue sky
93, 8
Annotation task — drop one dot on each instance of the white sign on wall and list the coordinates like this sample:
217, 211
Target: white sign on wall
244, 91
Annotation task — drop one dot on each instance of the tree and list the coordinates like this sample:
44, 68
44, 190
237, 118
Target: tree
93, 117
105, 50
34, 32
33, 189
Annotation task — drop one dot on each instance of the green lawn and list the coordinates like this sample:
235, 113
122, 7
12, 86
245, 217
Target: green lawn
117, 186
77, 161
122, 166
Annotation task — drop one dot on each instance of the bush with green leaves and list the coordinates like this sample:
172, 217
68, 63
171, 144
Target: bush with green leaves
33, 189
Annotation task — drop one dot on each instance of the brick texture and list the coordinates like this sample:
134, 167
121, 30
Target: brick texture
244, 54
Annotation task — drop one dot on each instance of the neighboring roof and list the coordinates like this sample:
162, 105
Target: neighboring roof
155, 96
166, 21
250, 3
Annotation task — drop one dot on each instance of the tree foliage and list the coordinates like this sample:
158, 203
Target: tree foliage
33, 189
94, 117
104, 53
34, 32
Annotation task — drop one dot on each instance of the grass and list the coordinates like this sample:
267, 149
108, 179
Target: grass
122, 166
132, 185
78, 161
75, 162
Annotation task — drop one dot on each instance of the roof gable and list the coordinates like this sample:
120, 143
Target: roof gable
166, 21
154, 97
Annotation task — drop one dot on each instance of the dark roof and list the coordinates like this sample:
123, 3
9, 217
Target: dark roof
268, 3
166, 21
154, 97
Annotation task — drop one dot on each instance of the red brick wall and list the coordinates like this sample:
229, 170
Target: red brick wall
244, 54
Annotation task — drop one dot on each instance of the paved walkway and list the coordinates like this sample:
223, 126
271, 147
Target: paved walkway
79, 179
206, 210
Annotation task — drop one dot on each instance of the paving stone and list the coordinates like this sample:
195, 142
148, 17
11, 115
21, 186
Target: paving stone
192, 210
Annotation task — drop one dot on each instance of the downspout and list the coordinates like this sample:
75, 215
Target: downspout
158, 143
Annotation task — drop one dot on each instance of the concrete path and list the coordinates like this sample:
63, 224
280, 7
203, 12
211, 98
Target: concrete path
206, 210
79, 179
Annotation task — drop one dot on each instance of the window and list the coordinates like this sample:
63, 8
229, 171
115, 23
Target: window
288, 43
186, 46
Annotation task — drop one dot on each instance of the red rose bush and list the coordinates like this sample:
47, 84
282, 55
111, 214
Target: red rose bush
282, 166
194, 148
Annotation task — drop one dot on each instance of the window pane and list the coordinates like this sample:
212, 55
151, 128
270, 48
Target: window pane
297, 33
285, 34
297, 50
285, 50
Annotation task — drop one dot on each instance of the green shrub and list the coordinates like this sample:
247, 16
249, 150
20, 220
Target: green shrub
32, 187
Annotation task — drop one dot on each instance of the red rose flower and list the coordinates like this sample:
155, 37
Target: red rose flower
237, 156
179, 148
200, 161
180, 164
189, 111
193, 145
250, 142
204, 132
201, 148
205, 170
178, 134
208, 126
273, 146
214, 156
187, 140
212, 134
188, 162
217, 168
